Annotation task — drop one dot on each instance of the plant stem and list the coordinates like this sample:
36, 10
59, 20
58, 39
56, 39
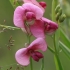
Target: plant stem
54, 4
56, 56
31, 64
51, 49
9, 27
42, 66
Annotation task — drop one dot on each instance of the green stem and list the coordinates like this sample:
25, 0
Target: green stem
51, 49
9, 27
31, 64
56, 56
42, 66
54, 4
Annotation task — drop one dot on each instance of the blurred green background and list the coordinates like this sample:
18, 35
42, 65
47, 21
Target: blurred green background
7, 58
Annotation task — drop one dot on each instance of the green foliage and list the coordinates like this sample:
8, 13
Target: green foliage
65, 49
65, 39
15, 3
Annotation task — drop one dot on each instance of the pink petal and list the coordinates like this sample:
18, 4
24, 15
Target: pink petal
50, 22
33, 8
38, 44
50, 25
37, 29
18, 17
35, 3
22, 57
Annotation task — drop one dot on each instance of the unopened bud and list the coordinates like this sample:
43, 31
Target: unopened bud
57, 9
62, 18
57, 17
60, 11
58, 14
43, 4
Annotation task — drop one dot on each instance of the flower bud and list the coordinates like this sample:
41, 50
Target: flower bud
58, 14
60, 11
43, 4
62, 18
57, 9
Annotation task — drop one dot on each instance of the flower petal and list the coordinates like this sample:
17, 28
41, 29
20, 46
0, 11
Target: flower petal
37, 29
38, 44
35, 3
22, 57
51, 26
18, 17
33, 8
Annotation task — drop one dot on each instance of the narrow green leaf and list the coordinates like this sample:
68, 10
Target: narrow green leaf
65, 39
57, 35
65, 49
57, 62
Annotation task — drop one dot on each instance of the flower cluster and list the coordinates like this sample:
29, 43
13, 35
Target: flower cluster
29, 17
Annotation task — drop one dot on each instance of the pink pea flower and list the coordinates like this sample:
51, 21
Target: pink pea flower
42, 27
50, 26
23, 55
37, 29
42, 4
26, 12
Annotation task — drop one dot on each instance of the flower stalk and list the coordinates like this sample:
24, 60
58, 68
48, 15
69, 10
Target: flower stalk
42, 66
31, 64
9, 27
56, 45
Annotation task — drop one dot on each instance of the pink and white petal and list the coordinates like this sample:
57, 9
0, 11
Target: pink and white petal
22, 57
33, 8
38, 44
37, 29
18, 17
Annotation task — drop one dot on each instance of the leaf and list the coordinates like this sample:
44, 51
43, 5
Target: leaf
65, 49
57, 35
64, 39
14, 3
58, 63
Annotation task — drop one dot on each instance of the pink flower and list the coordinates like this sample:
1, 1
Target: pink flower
50, 26
23, 55
43, 26
31, 14
30, 19
42, 4
37, 29
25, 12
